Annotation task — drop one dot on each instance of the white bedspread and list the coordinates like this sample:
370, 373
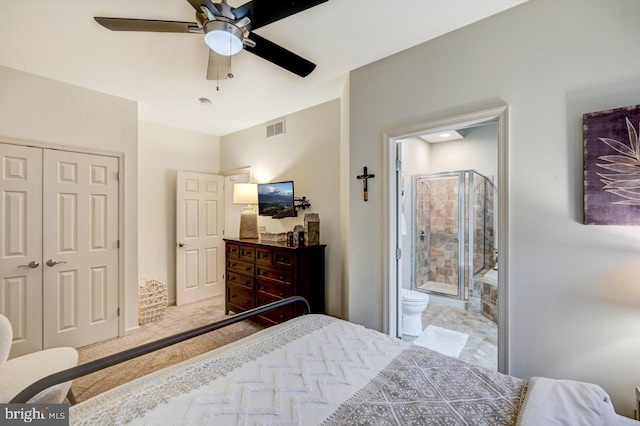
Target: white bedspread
283, 379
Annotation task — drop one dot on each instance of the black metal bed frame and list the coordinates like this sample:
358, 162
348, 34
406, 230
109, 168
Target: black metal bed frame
111, 360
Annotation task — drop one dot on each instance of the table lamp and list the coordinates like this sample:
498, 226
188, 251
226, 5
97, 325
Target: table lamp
247, 193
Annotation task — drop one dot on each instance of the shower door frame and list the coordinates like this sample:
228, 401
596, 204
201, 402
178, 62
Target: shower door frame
462, 202
465, 198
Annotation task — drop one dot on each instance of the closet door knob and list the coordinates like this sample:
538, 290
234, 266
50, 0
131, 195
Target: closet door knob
33, 264
52, 262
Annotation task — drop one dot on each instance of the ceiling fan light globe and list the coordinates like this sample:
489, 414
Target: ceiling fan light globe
223, 38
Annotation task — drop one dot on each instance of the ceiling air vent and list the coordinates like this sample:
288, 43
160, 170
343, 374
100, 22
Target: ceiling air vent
275, 129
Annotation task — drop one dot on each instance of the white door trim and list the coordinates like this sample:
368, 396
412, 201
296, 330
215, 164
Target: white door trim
121, 205
501, 116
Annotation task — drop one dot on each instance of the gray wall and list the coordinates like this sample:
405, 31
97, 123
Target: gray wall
574, 290
309, 154
162, 151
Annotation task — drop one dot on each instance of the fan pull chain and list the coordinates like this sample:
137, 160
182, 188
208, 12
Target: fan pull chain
217, 72
230, 74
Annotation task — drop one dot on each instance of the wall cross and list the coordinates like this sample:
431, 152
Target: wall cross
365, 176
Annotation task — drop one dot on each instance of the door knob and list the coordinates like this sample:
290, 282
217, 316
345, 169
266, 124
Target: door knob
52, 262
33, 264
182, 245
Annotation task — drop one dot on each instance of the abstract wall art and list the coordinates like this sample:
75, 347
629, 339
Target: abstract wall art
612, 167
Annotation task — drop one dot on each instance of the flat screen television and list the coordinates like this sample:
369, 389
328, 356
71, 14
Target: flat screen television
276, 199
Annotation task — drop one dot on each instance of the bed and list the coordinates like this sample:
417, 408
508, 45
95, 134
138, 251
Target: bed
319, 370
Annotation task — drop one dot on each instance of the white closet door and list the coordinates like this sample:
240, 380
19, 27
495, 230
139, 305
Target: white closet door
199, 226
80, 247
21, 236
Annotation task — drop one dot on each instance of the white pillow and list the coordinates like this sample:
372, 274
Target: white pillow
564, 402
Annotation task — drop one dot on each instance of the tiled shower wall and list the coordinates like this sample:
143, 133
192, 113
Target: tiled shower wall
437, 230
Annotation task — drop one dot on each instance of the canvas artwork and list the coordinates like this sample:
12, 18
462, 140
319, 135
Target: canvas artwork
612, 167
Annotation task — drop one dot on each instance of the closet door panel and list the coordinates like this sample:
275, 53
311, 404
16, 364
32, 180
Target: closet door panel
80, 241
21, 239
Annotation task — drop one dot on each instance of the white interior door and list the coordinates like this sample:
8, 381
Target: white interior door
80, 248
21, 236
199, 229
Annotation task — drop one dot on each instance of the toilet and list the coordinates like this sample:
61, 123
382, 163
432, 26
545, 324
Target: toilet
413, 304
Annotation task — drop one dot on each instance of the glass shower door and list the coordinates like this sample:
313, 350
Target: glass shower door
437, 219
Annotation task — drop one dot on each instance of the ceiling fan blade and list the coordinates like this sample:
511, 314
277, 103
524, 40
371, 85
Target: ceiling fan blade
263, 12
208, 3
124, 24
280, 56
218, 66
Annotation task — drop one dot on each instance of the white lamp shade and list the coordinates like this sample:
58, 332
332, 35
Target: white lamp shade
223, 38
245, 193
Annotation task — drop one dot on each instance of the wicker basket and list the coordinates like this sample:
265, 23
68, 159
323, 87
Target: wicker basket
152, 300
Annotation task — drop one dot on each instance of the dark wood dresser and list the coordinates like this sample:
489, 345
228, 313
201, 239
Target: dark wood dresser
261, 272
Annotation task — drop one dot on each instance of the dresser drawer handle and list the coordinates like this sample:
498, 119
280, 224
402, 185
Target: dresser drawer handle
282, 294
233, 295
232, 278
233, 264
281, 278
263, 288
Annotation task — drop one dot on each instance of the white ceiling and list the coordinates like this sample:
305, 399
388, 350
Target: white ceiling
165, 72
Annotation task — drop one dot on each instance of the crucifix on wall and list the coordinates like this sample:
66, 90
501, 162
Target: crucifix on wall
365, 176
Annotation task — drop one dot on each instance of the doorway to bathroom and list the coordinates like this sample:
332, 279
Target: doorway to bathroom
449, 227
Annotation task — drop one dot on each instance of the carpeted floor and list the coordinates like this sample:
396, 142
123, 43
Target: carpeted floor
176, 319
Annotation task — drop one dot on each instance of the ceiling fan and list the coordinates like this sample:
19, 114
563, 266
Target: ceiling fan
227, 30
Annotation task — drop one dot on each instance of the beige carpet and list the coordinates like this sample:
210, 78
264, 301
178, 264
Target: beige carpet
176, 319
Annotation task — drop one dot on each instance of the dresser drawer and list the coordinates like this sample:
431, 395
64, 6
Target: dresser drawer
277, 315
282, 258
273, 289
262, 272
278, 276
233, 251
248, 254
240, 267
240, 296
239, 279
264, 256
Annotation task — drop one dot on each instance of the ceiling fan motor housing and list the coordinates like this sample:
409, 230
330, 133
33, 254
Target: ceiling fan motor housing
223, 37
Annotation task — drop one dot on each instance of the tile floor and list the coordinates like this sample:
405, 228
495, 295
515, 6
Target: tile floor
482, 346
